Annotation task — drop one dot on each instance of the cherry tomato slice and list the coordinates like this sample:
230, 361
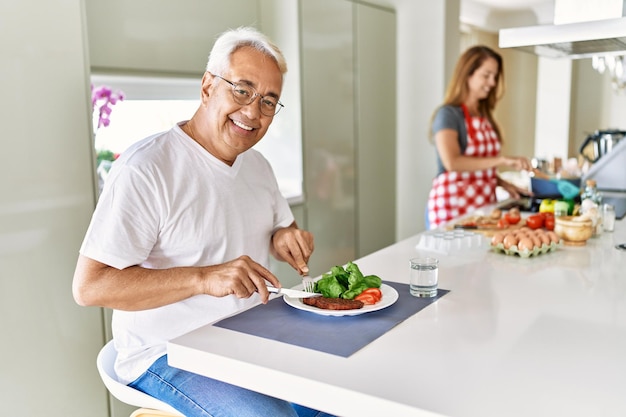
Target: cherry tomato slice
376, 292
366, 299
370, 296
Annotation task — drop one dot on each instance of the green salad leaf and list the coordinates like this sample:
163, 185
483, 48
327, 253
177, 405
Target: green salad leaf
346, 282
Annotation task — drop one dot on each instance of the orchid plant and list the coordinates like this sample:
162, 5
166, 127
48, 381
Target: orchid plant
103, 98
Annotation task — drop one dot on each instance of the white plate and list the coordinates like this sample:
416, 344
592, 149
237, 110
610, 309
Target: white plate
390, 296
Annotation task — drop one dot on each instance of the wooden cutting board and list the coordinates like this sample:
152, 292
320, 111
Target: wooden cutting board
487, 229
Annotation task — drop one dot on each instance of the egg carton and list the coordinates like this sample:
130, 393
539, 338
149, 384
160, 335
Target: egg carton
526, 253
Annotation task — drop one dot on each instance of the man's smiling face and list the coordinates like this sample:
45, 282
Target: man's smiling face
226, 127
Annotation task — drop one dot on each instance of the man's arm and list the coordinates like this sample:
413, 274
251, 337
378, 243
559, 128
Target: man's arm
138, 288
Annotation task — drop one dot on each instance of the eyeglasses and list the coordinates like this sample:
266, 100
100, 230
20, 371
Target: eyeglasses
245, 94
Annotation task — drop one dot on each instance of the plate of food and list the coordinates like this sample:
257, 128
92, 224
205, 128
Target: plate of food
326, 306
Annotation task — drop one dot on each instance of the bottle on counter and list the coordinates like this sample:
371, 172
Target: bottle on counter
591, 205
591, 192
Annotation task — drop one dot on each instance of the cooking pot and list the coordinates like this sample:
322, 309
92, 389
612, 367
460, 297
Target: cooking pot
600, 143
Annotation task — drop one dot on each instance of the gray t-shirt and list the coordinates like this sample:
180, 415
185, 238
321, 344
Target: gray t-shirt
450, 117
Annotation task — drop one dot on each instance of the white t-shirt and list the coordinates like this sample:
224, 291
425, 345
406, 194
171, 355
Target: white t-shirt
167, 202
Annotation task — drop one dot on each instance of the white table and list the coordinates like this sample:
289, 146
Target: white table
544, 336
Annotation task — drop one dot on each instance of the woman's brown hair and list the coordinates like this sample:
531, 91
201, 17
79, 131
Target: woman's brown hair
458, 91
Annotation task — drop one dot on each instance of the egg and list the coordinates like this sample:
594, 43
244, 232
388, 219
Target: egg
545, 238
497, 239
536, 240
554, 238
525, 244
510, 240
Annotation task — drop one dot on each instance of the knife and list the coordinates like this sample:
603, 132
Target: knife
292, 293
466, 226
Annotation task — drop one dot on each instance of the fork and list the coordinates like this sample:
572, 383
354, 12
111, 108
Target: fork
308, 284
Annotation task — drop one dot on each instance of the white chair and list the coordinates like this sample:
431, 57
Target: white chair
150, 406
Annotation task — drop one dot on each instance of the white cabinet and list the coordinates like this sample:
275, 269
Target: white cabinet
161, 37
375, 81
49, 344
349, 137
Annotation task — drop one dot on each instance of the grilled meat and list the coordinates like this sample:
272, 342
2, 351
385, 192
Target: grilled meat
333, 303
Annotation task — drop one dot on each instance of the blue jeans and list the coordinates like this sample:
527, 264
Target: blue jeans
198, 396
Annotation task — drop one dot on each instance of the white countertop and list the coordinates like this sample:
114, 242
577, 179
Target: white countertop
542, 336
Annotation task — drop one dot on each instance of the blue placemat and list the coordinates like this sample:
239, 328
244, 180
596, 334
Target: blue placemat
340, 336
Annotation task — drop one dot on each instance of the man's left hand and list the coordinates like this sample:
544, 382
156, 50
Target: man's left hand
293, 246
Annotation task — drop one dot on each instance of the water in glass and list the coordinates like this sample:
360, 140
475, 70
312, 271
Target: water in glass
424, 277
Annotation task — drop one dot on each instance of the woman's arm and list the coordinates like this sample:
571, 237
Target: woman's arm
452, 159
513, 190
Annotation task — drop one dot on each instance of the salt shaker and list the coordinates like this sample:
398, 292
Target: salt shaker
608, 217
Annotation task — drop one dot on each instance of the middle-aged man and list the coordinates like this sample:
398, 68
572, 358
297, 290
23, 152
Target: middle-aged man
182, 232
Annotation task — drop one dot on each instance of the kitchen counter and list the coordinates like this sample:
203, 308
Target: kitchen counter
539, 336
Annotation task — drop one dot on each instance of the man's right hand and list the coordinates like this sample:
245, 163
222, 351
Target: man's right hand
240, 277
137, 288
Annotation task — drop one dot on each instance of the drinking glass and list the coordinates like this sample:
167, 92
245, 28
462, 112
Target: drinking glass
423, 280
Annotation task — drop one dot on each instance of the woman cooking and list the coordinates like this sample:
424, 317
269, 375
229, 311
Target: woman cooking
468, 140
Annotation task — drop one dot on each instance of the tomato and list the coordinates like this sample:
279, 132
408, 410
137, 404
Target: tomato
535, 221
376, 292
548, 222
512, 218
366, 299
370, 296
503, 223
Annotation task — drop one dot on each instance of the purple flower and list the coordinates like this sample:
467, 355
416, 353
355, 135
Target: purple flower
102, 100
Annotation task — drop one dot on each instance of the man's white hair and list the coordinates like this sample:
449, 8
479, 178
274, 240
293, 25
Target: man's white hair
231, 40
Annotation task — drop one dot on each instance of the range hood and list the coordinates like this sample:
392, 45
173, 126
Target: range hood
572, 36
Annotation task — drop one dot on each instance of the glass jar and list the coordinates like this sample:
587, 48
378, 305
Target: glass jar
608, 217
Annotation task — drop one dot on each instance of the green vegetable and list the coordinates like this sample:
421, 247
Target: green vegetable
340, 275
372, 281
346, 283
329, 286
354, 290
